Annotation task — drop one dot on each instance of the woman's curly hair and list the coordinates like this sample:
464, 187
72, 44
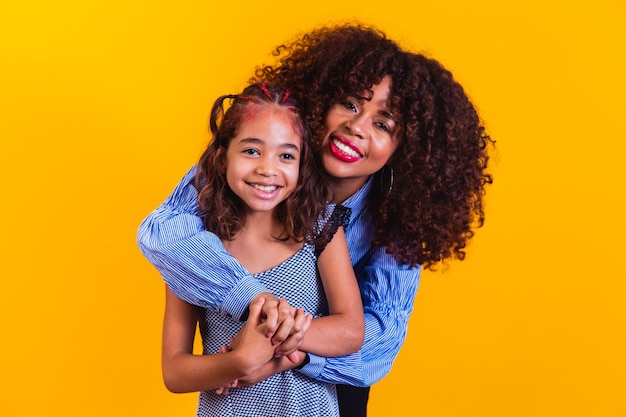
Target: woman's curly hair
223, 212
439, 167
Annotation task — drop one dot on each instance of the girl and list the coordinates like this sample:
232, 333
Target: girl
404, 149
260, 193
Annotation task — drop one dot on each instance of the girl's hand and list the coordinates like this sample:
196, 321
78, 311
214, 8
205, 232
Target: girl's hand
252, 348
290, 346
273, 367
286, 325
278, 316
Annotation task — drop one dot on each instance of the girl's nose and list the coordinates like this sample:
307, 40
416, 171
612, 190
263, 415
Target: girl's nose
266, 167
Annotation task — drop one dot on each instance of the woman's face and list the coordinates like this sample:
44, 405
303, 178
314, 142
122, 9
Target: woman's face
360, 138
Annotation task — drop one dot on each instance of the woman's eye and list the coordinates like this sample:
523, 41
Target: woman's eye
349, 105
383, 126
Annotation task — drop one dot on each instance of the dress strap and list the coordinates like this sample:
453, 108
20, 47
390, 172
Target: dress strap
339, 217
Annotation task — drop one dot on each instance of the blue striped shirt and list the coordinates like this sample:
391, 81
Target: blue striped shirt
197, 268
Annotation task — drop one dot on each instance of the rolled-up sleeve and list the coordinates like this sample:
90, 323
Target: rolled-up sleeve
191, 260
388, 290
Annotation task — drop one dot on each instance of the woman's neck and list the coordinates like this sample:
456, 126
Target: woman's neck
344, 188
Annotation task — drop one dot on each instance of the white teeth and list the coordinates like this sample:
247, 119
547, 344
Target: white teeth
265, 188
346, 149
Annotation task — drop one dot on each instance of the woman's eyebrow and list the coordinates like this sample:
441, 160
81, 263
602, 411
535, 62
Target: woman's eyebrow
387, 114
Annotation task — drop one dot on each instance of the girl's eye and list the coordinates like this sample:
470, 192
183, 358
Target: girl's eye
251, 151
288, 156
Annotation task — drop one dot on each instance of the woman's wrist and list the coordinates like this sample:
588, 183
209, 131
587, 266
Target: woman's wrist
305, 361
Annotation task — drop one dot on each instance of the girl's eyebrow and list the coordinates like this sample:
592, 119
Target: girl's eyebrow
257, 141
251, 140
290, 146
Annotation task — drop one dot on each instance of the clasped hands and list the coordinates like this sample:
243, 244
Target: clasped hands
269, 340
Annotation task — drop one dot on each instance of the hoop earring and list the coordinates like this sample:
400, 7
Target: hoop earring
382, 180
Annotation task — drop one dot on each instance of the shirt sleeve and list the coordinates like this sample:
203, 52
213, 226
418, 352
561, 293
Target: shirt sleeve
388, 290
191, 260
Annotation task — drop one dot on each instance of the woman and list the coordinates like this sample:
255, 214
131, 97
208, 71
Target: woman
404, 150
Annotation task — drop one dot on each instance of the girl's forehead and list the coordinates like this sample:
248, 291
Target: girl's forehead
260, 115
270, 112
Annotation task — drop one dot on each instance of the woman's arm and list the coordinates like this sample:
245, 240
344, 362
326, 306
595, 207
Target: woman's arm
388, 290
185, 372
341, 332
193, 261
196, 266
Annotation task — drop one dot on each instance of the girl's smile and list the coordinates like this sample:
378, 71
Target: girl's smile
265, 188
265, 192
263, 159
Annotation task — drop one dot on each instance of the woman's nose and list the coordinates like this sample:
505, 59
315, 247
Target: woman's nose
357, 126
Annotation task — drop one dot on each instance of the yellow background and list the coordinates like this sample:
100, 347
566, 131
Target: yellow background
103, 107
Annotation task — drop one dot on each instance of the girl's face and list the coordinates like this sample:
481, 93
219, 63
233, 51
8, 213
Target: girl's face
263, 160
360, 138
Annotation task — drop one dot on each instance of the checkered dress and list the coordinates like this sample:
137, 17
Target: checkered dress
288, 394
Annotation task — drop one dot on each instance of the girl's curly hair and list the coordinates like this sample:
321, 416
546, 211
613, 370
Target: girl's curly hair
439, 167
223, 212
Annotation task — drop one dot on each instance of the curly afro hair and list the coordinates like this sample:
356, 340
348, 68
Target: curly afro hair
440, 167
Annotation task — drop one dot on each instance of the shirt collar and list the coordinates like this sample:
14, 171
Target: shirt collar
357, 202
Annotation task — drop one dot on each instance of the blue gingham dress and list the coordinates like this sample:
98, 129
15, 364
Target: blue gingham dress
288, 394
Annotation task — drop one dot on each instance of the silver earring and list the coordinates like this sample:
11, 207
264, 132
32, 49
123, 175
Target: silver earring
382, 180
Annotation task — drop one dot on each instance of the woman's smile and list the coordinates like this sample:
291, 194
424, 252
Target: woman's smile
343, 149
361, 135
